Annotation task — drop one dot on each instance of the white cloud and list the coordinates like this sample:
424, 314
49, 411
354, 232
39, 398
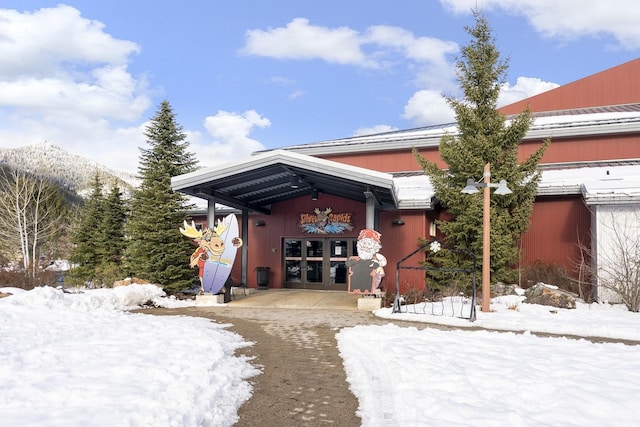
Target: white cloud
374, 130
284, 81
419, 49
299, 40
47, 41
428, 107
296, 94
378, 47
96, 139
569, 19
429, 60
231, 132
64, 80
525, 87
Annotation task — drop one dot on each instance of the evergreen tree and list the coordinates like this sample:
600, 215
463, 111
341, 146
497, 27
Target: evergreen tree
156, 250
86, 238
112, 241
484, 136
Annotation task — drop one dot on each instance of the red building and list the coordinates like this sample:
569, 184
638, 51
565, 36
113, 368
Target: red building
591, 168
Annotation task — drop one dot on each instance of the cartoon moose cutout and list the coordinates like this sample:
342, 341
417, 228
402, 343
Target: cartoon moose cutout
215, 252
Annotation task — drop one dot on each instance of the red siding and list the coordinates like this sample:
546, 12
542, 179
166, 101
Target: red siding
610, 147
388, 161
610, 87
265, 243
283, 222
593, 148
400, 240
558, 224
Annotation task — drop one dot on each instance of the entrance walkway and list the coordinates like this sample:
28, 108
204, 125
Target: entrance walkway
298, 299
303, 382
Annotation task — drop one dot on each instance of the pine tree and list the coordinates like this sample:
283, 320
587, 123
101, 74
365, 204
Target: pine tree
111, 238
484, 136
86, 237
156, 251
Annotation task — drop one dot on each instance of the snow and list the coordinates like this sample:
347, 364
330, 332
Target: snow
84, 359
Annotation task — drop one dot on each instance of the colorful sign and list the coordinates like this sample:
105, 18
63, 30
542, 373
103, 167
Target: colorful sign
325, 222
216, 252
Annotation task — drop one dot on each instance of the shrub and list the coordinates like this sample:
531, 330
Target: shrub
551, 274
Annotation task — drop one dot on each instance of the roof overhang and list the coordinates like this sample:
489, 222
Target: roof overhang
263, 179
599, 182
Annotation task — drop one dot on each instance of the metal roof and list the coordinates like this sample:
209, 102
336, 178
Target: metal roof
605, 120
263, 179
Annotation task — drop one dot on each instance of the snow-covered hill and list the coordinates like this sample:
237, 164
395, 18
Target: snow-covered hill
68, 170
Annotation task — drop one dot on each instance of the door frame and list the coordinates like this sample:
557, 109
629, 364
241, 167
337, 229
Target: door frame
297, 263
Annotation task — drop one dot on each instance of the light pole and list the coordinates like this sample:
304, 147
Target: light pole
501, 189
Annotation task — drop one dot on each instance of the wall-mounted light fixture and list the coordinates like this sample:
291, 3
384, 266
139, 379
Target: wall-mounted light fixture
259, 223
294, 181
314, 194
398, 221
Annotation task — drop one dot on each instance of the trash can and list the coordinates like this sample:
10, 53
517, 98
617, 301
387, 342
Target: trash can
262, 276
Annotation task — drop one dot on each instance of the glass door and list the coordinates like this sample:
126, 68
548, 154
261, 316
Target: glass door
337, 267
317, 263
293, 262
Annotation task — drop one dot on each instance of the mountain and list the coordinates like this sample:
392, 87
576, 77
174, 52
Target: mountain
69, 171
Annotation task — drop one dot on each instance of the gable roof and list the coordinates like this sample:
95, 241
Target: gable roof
263, 179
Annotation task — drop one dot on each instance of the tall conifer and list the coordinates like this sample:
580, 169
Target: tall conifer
113, 221
86, 237
112, 241
485, 136
156, 251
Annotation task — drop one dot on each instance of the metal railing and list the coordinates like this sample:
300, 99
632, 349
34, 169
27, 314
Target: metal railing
432, 289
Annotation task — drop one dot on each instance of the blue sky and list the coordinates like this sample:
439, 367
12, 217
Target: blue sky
247, 75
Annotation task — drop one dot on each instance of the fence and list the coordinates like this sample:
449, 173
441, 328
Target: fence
424, 285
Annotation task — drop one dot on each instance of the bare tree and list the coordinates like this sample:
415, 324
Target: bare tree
31, 211
615, 255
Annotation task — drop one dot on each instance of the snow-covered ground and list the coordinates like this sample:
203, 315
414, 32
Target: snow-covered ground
83, 359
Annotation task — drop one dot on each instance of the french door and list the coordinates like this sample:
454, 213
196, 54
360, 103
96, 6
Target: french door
317, 263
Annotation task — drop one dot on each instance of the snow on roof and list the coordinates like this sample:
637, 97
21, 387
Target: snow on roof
554, 124
413, 192
601, 184
620, 185
598, 184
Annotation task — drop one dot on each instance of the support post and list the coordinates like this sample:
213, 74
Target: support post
211, 213
486, 241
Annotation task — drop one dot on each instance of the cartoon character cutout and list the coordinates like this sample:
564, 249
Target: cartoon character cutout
367, 269
211, 247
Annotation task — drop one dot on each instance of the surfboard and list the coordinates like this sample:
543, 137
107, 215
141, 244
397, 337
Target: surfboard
218, 268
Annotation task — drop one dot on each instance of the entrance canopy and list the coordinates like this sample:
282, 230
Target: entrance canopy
274, 176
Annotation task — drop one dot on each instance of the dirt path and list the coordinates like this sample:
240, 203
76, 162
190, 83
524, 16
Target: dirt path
303, 382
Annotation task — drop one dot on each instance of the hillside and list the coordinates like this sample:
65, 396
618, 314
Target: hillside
69, 171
